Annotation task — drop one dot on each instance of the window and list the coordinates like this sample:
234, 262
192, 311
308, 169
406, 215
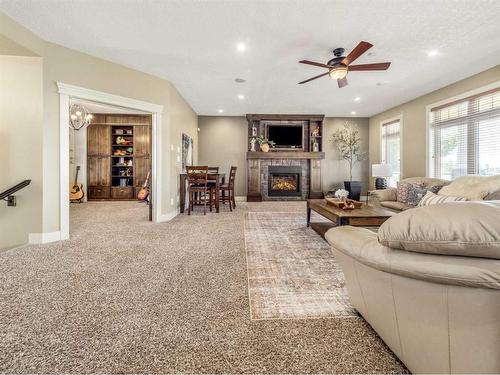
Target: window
465, 137
391, 149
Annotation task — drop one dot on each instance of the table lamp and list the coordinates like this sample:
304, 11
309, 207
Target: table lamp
380, 172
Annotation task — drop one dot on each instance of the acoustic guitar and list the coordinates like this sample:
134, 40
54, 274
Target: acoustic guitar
144, 192
76, 190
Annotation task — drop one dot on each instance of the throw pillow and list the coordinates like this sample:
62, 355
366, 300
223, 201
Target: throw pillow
430, 198
403, 191
460, 228
416, 193
474, 188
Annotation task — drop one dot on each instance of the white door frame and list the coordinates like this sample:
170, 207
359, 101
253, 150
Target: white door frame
69, 91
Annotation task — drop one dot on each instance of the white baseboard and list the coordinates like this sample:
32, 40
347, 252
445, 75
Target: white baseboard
240, 198
41, 238
169, 216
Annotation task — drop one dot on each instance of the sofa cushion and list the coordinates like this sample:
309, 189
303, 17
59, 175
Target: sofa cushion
426, 181
495, 196
362, 245
403, 190
395, 205
430, 198
416, 193
388, 194
474, 188
459, 228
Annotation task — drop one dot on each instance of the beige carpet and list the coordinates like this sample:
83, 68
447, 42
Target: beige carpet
291, 270
128, 296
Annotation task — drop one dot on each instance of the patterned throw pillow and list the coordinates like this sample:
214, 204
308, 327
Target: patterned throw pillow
416, 193
403, 191
430, 198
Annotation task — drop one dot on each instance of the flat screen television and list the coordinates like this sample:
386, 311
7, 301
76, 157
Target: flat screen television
285, 136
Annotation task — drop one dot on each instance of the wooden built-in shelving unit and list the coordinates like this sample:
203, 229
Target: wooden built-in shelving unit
118, 155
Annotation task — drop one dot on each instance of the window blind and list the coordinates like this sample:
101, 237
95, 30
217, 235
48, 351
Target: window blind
391, 149
465, 136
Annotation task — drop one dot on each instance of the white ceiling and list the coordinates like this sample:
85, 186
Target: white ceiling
193, 44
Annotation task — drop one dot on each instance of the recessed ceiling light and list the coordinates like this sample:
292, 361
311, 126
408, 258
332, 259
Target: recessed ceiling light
357, 99
241, 47
433, 53
221, 111
353, 112
241, 96
379, 83
239, 80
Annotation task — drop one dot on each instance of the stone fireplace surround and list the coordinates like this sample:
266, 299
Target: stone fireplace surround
258, 173
307, 158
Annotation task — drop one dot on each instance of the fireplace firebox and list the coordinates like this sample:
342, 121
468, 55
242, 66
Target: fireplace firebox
284, 181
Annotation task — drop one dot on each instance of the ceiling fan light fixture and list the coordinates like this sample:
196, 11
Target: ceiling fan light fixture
338, 72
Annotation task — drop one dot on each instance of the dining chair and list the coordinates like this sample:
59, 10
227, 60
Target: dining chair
198, 188
229, 188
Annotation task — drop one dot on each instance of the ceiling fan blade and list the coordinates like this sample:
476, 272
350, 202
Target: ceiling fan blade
376, 66
342, 82
361, 48
310, 79
315, 64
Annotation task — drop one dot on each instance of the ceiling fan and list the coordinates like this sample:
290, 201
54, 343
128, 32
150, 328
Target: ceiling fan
339, 66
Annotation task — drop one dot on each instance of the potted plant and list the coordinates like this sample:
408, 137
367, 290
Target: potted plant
264, 143
348, 143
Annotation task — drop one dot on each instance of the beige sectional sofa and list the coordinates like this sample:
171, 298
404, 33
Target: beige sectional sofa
434, 295
387, 198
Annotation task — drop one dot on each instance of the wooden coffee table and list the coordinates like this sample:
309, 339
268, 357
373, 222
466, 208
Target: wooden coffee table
366, 216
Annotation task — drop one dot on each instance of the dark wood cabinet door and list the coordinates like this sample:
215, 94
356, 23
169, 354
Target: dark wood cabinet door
104, 140
93, 169
122, 192
105, 171
142, 166
99, 192
93, 132
99, 171
142, 140
99, 140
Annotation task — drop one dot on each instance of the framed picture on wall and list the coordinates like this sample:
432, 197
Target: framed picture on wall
187, 151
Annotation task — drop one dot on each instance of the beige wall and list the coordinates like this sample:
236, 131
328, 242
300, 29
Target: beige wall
223, 142
71, 67
21, 150
335, 171
413, 114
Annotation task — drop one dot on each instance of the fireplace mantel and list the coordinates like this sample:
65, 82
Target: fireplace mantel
285, 155
308, 157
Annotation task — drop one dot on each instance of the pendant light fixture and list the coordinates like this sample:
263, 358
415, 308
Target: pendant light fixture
79, 117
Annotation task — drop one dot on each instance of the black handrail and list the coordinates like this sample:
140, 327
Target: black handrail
13, 189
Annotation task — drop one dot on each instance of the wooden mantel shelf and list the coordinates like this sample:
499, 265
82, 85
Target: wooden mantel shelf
285, 155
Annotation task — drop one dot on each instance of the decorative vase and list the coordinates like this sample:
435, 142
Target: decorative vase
354, 189
264, 147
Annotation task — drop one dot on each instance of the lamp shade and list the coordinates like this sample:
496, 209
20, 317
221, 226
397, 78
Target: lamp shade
381, 170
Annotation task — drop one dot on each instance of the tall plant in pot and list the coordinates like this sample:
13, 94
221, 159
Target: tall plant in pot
348, 143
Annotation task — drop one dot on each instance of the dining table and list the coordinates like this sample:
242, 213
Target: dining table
218, 178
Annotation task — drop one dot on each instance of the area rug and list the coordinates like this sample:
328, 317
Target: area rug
292, 273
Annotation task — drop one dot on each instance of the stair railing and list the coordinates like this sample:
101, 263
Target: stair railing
8, 196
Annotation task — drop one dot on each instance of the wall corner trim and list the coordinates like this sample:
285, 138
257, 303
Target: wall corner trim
169, 216
42, 238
